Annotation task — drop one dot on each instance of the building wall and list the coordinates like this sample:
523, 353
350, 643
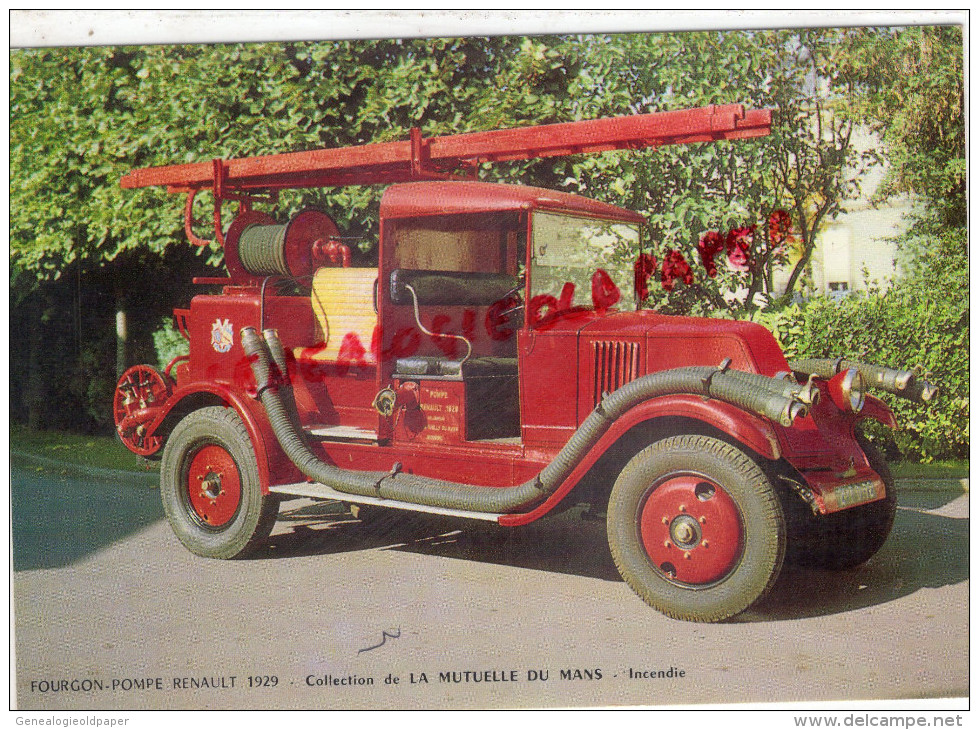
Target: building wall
853, 251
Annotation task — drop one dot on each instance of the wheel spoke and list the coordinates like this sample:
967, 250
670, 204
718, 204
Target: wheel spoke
141, 388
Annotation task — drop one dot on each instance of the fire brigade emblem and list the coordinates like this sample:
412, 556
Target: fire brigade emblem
222, 335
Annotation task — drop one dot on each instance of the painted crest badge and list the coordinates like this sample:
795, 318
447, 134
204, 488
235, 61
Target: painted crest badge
222, 335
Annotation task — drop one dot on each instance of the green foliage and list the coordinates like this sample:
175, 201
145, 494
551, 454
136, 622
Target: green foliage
168, 343
80, 118
915, 99
921, 320
806, 167
102, 452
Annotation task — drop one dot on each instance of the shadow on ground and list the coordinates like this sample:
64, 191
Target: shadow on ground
924, 551
564, 544
57, 520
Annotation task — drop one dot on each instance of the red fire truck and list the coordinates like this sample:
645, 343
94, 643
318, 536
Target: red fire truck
496, 364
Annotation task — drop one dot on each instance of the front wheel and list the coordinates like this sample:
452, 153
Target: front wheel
696, 529
846, 539
210, 487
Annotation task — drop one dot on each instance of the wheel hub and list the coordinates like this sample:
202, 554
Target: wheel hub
685, 532
214, 486
691, 530
211, 487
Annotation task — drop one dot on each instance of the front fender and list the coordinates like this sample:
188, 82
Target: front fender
756, 433
198, 395
876, 410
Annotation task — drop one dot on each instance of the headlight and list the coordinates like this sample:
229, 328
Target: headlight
847, 390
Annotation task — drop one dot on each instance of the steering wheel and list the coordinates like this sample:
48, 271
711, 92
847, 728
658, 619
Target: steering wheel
512, 310
514, 293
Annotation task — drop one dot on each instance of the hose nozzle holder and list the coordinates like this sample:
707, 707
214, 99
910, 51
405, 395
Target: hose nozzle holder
792, 411
809, 393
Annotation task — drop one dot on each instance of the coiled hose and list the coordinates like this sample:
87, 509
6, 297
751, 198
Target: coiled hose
903, 383
262, 249
761, 396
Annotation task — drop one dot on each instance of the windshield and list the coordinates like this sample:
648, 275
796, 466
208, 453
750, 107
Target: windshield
574, 251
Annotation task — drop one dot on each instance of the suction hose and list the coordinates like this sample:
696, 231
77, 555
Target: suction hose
758, 395
278, 355
902, 383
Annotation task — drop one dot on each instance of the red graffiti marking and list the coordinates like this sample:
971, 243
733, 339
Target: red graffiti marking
309, 367
405, 342
604, 292
542, 311
352, 353
498, 327
447, 345
545, 309
642, 270
675, 267
242, 376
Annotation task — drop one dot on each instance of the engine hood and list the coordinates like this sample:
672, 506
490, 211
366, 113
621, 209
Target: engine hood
572, 360
666, 341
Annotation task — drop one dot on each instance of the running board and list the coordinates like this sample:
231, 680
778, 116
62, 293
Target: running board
321, 491
342, 433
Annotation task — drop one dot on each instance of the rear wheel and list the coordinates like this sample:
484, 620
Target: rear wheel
210, 486
695, 528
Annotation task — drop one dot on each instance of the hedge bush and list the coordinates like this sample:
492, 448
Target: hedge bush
922, 319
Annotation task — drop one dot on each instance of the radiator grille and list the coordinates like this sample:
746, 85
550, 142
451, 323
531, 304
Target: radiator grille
616, 363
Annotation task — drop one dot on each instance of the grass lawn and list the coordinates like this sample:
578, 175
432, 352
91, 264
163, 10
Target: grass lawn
106, 452
935, 470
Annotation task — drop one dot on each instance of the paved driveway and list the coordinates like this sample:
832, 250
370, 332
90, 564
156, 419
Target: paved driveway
111, 612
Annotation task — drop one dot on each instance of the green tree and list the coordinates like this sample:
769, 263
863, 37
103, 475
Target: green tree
910, 92
81, 118
806, 168
921, 320
915, 101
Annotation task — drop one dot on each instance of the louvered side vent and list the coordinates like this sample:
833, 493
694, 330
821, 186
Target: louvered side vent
616, 363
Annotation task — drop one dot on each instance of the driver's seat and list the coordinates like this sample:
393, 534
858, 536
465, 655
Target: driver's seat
462, 288
454, 288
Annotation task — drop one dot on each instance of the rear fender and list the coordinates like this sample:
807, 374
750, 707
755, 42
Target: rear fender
756, 433
200, 395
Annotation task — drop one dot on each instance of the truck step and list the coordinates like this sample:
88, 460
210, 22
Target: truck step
315, 490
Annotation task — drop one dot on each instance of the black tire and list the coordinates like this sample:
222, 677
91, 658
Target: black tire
687, 478
844, 540
210, 486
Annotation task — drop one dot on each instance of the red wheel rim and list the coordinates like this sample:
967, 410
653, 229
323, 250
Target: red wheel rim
140, 393
691, 530
214, 486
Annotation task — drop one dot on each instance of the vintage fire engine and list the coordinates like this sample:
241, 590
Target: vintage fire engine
495, 364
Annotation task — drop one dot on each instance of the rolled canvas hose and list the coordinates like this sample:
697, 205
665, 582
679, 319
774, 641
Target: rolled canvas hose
759, 396
262, 249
